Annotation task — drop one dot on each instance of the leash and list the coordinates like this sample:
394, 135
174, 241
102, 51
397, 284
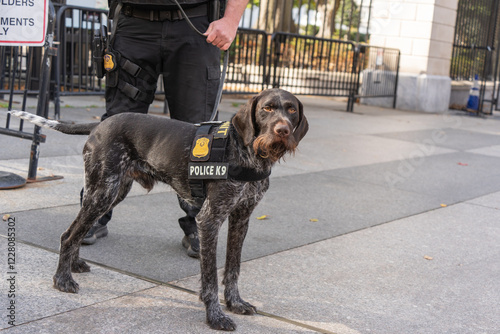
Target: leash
213, 116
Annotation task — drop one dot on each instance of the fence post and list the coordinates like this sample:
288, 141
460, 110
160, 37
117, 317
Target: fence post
354, 86
277, 57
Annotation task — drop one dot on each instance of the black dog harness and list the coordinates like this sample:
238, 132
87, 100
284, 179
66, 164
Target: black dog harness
209, 160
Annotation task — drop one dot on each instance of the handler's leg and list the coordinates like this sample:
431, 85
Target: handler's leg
191, 75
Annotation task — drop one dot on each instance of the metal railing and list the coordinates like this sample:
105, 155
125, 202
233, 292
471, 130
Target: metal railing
307, 65
304, 65
74, 70
21, 76
476, 51
18, 77
379, 72
474, 39
248, 64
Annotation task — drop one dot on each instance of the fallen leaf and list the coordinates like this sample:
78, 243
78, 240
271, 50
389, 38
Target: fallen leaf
427, 257
40, 168
444, 205
462, 164
263, 217
5, 217
313, 220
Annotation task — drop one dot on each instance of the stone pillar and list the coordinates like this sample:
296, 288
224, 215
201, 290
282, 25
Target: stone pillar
423, 30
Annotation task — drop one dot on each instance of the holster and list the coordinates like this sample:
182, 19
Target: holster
99, 48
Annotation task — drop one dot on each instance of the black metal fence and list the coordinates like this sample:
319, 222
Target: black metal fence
474, 39
307, 65
299, 63
20, 75
379, 69
475, 48
248, 62
74, 70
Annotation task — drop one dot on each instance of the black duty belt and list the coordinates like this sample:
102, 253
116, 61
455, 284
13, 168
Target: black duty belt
164, 15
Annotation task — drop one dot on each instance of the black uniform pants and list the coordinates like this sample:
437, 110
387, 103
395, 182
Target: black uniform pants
191, 75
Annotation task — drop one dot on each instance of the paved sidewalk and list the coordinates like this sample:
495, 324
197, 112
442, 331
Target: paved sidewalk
385, 221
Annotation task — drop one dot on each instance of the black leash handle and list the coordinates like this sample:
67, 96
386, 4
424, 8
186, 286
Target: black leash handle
224, 69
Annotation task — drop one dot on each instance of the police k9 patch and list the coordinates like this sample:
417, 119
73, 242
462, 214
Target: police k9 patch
208, 170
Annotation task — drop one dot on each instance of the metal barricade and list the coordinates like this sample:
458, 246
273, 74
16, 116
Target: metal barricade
18, 77
379, 73
74, 70
247, 69
307, 65
21, 75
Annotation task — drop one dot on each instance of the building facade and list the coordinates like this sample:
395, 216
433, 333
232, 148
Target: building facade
423, 30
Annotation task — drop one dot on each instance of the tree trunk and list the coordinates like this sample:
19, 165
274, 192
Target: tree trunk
276, 16
328, 10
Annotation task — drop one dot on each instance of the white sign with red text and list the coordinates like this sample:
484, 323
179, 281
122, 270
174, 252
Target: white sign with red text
23, 22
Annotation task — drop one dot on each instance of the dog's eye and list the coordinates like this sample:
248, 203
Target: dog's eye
292, 110
268, 108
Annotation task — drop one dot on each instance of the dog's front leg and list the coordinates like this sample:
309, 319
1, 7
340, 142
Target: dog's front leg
208, 230
238, 227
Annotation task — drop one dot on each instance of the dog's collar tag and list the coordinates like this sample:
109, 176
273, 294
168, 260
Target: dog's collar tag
201, 148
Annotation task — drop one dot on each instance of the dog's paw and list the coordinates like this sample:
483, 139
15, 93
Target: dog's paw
241, 307
65, 283
220, 321
79, 266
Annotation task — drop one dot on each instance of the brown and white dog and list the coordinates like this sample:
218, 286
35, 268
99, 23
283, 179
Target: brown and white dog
136, 147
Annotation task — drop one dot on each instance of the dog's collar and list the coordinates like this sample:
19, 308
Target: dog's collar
247, 174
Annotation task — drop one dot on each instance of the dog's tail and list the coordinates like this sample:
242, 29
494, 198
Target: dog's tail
71, 129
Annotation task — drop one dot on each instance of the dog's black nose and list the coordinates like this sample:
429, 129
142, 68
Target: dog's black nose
282, 130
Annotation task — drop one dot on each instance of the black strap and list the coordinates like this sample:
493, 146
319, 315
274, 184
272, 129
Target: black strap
198, 191
135, 93
137, 71
246, 174
204, 129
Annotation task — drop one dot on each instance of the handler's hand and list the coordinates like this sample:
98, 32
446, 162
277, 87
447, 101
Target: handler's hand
221, 33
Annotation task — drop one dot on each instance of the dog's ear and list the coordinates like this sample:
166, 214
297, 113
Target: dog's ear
303, 126
244, 120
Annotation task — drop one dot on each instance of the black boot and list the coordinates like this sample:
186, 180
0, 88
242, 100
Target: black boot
96, 231
192, 244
